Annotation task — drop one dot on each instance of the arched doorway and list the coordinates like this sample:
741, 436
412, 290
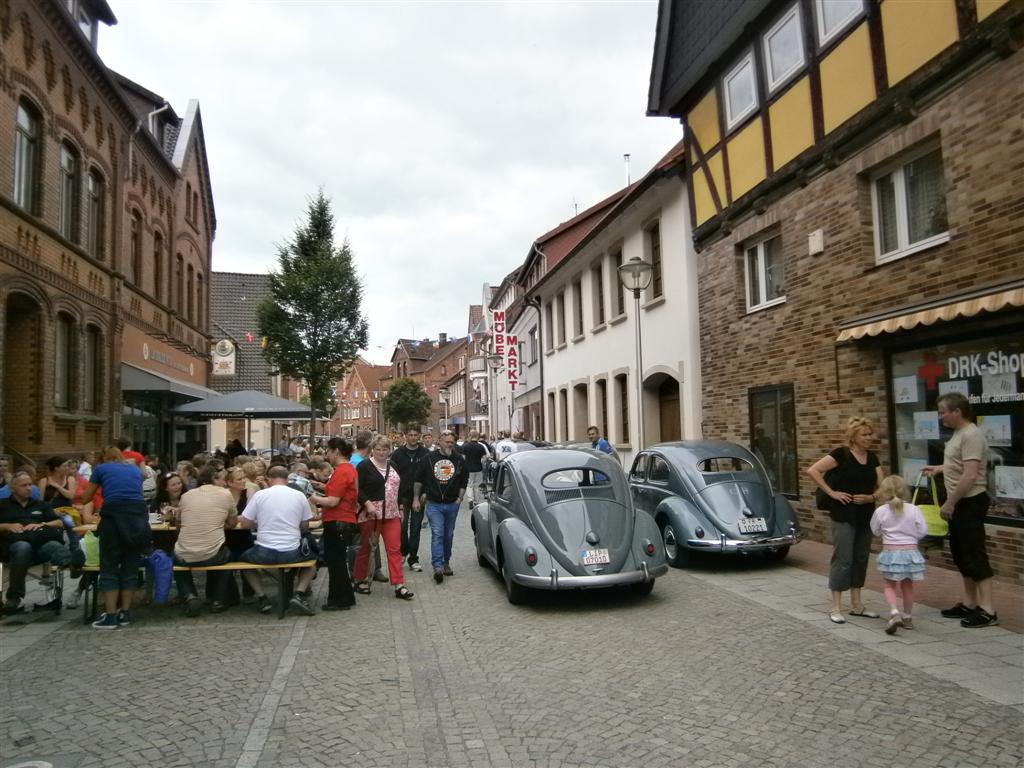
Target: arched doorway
22, 385
668, 410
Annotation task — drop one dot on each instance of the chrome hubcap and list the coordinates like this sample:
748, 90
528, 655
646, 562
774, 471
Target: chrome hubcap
671, 546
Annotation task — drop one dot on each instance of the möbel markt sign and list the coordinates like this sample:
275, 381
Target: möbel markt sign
506, 345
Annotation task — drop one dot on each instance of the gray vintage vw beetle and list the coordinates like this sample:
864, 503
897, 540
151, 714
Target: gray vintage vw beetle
712, 496
561, 518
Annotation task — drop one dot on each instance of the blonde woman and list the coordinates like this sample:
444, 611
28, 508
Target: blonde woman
855, 474
901, 525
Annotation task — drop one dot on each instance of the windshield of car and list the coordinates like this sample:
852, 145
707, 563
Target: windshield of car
724, 464
576, 483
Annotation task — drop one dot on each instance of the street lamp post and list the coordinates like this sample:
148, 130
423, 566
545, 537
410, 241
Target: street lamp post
636, 276
442, 395
494, 362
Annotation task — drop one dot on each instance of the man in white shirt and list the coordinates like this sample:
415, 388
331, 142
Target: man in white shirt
280, 515
505, 447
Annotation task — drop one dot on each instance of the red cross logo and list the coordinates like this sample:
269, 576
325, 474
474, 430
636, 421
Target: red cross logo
931, 371
248, 336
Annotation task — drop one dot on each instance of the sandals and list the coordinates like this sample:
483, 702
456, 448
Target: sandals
362, 588
403, 593
864, 613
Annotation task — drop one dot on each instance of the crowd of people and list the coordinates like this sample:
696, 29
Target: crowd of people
371, 497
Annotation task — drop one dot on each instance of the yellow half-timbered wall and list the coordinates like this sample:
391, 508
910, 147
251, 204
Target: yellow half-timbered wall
878, 49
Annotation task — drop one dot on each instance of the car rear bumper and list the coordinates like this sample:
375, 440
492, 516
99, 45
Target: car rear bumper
558, 581
723, 544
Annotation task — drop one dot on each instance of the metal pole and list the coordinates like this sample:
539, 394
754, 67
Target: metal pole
639, 373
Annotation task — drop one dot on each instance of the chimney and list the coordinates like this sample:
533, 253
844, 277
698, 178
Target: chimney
442, 338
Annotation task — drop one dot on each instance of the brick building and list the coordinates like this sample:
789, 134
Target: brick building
358, 397
106, 230
431, 364
854, 176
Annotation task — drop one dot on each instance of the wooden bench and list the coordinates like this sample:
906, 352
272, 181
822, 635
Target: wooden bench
283, 572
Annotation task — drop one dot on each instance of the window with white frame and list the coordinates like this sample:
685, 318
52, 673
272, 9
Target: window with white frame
783, 47
740, 91
765, 273
909, 206
834, 16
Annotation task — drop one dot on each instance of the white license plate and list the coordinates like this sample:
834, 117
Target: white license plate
753, 525
595, 556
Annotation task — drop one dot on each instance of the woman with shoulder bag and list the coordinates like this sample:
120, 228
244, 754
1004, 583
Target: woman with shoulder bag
379, 515
854, 473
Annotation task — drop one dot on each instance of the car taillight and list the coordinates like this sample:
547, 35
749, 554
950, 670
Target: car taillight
649, 548
699, 531
531, 557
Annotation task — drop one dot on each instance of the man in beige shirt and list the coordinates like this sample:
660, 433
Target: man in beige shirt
206, 511
966, 505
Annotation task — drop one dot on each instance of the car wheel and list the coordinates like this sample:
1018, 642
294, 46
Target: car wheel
776, 555
643, 589
516, 593
676, 554
480, 559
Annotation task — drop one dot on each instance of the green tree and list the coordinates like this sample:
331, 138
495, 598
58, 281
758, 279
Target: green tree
313, 322
405, 404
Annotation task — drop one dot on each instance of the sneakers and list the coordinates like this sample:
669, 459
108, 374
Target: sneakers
958, 611
300, 604
980, 618
74, 600
416, 567
263, 604
378, 575
438, 575
448, 570
123, 619
193, 606
894, 623
106, 621
908, 623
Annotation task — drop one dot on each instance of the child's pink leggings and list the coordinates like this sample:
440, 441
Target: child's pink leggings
891, 597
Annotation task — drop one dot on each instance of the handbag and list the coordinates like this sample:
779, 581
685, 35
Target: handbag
937, 526
821, 499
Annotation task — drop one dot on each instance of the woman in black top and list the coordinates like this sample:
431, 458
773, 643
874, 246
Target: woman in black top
853, 475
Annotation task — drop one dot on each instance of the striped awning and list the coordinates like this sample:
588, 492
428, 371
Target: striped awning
993, 299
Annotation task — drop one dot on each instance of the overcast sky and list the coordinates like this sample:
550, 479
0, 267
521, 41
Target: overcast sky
448, 135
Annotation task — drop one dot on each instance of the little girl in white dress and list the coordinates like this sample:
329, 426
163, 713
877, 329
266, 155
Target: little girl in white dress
901, 525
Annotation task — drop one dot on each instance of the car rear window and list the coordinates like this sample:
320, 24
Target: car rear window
561, 479
724, 464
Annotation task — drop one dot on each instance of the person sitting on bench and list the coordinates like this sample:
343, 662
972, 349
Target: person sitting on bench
34, 535
279, 514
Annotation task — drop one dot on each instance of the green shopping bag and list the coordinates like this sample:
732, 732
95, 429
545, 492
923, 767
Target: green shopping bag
937, 526
91, 547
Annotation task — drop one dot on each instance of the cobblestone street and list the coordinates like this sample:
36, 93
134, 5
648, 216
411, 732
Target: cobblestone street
719, 667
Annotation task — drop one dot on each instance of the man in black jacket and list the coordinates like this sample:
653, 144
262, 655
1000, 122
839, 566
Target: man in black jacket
442, 477
405, 459
474, 451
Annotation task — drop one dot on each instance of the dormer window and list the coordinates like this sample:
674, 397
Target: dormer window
83, 18
740, 91
784, 49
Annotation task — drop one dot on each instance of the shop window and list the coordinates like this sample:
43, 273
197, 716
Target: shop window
92, 365
136, 249
95, 199
597, 285
740, 91
26, 157
63, 361
577, 307
765, 274
988, 372
835, 16
909, 206
773, 434
653, 238
70, 189
783, 48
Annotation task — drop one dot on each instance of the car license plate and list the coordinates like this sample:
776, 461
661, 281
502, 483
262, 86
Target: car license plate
595, 556
753, 525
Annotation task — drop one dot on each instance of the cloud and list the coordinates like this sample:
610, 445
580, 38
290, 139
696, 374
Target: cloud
447, 134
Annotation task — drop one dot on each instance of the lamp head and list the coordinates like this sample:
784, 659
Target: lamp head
636, 274
495, 361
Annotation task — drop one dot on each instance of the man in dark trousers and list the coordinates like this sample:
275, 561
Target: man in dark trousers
405, 459
443, 478
474, 452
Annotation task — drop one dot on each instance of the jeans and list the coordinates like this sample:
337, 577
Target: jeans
442, 531
336, 544
475, 478
261, 555
74, 541
215, 580
21, 555
124, 536
412, 524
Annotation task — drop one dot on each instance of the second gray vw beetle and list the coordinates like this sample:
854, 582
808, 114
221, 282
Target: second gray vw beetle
562, 518
712, 496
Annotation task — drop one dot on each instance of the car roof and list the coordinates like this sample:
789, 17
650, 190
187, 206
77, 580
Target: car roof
540, 461
697, 450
